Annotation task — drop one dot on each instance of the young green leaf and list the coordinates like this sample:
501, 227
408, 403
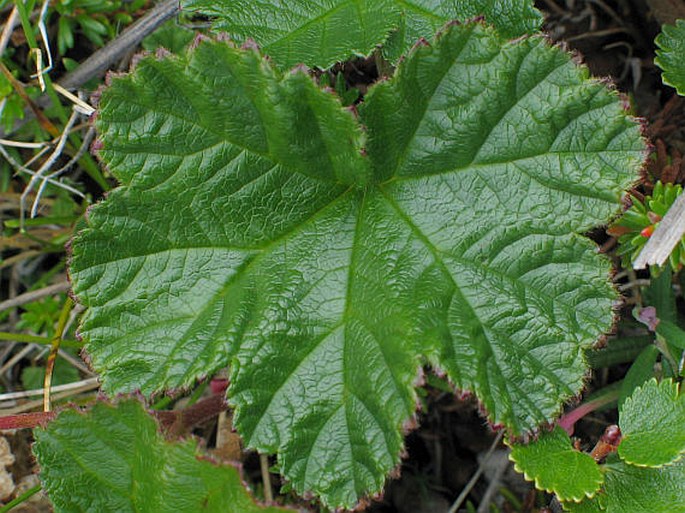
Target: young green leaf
652, 421
323, 33
555, 466
114, 459
671, 55
257, 226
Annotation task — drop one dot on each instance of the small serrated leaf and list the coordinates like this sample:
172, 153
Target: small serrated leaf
652, 422
645, 490
113, 459
671, 55
555, 466
631, 489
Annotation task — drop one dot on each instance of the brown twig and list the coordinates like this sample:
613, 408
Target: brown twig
476, 476
26, 420
104, 58
180, 422
11, 22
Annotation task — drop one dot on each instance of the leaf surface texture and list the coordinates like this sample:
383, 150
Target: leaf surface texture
327, 31
328, 257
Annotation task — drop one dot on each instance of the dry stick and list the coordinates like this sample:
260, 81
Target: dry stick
43, 169
21, 354
76, 362
85, 386
86, 383
66, 167
28, 297
20, 144
6, 350
598, 33
9, 262
10, 24
46, 44
469, 486
104, 58
665, 238
493, 487
79, 104
24, 168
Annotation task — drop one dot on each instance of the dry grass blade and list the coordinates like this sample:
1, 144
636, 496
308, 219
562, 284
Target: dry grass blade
77, 385
39, 175
68, 390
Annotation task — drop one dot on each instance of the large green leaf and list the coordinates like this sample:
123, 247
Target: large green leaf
671, 55
325, 32
113, 459
555, 466
257, 226
653, 424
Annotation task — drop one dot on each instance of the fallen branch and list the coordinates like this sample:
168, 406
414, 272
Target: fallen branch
108, 55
